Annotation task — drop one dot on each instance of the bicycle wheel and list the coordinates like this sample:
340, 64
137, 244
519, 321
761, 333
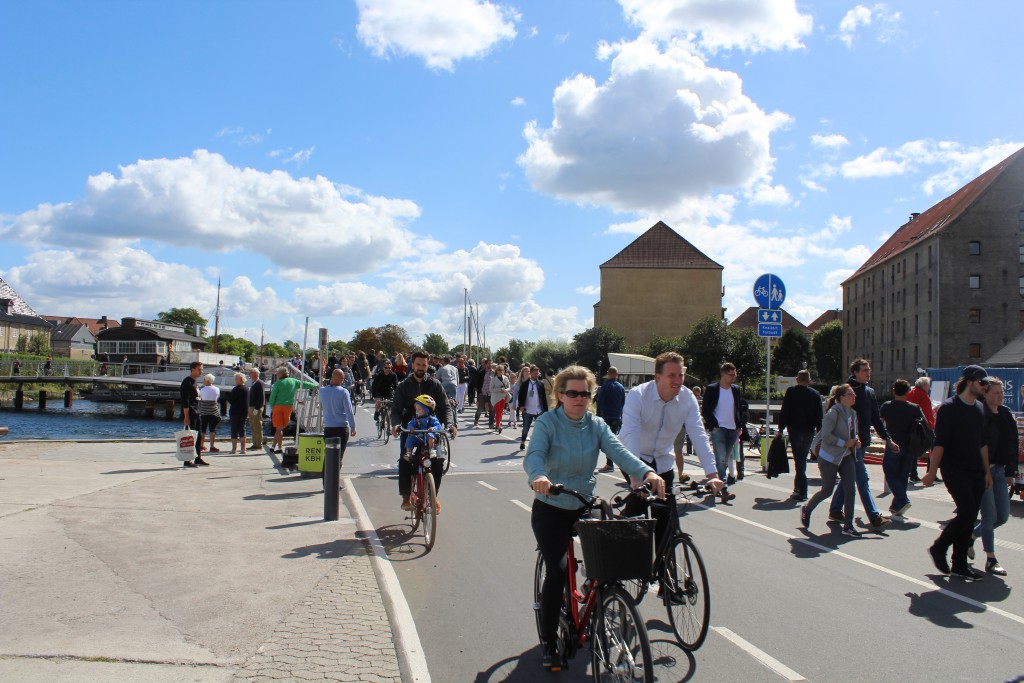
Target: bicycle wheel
444, 450
620, 649
380, 428
429, 511
684, 590
387, 433
539, 572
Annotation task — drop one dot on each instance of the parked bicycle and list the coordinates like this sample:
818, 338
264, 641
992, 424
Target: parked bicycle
599, 612
678, 568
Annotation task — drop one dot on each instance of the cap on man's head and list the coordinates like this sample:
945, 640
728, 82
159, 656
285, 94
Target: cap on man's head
973, 373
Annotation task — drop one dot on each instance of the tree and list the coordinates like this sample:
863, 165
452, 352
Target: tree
435, 344
292, 348
39, 344
827, 345
21, 346
337, 348
187, 317
390, 339
593, 346
660, 344
747, 353
792, 353
515, 352
706, 347
551, 355
235, 346
274, 350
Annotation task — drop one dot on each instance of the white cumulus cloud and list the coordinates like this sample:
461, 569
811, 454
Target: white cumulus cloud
885, 21
664, 127
745, 24
440, 32
203, 202
834, 141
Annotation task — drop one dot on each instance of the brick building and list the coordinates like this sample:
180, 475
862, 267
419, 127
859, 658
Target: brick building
944, 290
658, 285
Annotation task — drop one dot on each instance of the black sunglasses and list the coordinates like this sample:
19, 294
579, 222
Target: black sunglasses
572, 393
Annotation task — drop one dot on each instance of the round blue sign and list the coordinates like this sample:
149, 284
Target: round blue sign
769, 292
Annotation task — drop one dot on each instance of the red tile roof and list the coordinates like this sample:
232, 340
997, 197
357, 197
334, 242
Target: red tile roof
660, 247
931, 221
95, 325
748, 318
825, 318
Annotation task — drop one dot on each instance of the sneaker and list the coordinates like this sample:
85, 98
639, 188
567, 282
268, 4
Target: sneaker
200, 461
835, 516
880, 521
992, 566
939, 559
406, 505
550, 659
499, 430
967, 574
902, 511
730, 480
214, 449
798, 497
805, 516
850, 531
897, 518
970, 549
189, 463
608, 467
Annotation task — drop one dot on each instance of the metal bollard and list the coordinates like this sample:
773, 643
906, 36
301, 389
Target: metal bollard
332, 479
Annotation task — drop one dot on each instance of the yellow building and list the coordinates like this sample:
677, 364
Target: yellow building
658, 285
18, 320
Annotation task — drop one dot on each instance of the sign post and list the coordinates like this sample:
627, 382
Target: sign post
769, 293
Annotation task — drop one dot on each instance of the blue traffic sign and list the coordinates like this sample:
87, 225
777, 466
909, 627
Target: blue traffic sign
769, 315
769, 291
773, 330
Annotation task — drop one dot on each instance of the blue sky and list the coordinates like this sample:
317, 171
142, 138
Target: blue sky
363, 162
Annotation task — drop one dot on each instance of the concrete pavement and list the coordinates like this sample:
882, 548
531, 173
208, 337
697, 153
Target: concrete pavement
118, 564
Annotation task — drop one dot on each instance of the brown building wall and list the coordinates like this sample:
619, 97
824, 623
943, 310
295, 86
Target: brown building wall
918, 307
640, 303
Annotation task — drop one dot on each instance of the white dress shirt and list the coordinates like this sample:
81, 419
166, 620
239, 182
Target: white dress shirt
650, 427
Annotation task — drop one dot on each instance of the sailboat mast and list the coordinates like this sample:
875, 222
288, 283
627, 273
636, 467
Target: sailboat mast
216, 319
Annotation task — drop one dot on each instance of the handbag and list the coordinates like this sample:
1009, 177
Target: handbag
185, 444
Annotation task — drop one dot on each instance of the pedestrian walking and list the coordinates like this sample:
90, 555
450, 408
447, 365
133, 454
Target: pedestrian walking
336, 407
238, 412
836, 443
920, 395
801, 414
189, 396
463, 386
868, 416
901, 418
1003, 440
257, 402
533, 402
725, 414
482, 384
500, 390
961, 451
611, 397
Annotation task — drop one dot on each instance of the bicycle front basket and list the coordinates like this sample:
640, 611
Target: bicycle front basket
617, 549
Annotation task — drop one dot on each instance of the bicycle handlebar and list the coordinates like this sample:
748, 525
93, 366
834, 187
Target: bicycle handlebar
590, 502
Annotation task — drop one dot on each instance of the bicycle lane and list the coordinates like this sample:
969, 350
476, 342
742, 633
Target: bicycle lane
835, 608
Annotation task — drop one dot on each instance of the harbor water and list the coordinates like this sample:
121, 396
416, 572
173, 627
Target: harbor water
85, 420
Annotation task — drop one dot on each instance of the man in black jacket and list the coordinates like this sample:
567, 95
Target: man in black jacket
725, 414
533, 402
801, 414
868, 416
189, 394
402, 412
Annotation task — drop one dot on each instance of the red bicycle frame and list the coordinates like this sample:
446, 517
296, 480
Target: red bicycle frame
577, 600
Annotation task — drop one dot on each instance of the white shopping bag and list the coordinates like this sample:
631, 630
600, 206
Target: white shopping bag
185, 444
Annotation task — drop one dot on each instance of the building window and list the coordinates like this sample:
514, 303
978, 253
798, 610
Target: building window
974, 315
1020, 219
917, 262
1020, 318
1021, 253
975, 350
974, 248
916, 330
974, 282
929, 355
929, 324
1021, 284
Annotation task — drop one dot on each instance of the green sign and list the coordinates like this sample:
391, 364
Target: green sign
311, 453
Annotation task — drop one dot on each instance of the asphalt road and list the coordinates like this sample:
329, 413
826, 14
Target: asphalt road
787, 603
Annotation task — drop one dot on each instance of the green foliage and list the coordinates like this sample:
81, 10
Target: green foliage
827, 344
515, 352
274, 350
39, 343
435, 344
706, 347
235, 346
21, 346
660, 344
593, 346
189, 317
390, 338
292, 348
747, 353
791, 354
337, 348
551, 355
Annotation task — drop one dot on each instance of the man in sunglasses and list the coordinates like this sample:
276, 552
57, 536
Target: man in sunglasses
654, 413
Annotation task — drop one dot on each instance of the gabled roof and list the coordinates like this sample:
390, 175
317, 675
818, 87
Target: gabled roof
748, 318
95, 325
67, 331
825, 318
945, 212
21, 312
1011, 355
660, 247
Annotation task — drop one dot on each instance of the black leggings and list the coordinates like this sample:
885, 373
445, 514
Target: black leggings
552, 527
406, 470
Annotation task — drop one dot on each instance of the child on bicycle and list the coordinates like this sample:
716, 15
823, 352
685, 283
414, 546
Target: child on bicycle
424, 406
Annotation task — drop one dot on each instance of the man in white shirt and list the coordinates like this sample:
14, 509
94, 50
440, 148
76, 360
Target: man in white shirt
533, 401
652, 417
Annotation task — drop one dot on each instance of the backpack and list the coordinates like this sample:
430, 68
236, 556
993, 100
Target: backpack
920, 439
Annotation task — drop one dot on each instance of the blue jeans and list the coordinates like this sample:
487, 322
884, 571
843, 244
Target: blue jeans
995, 509
897, 468
527, 423
722, 442
800, 442
863, 487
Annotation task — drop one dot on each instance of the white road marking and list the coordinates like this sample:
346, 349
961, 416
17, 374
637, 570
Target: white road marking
486, 485
407, 639
758, 654
521, 504
885, 570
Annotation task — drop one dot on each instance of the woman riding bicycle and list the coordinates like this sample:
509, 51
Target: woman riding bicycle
564, 449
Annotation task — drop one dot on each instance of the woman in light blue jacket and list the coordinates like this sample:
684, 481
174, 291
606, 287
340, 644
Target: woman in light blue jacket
564, 449
835, 443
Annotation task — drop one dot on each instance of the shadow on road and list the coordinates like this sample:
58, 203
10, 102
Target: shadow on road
150, 469
774, 504
332, 550
401, 543
281, 496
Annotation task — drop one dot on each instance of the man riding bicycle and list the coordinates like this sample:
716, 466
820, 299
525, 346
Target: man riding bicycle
382, 387
403, 410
